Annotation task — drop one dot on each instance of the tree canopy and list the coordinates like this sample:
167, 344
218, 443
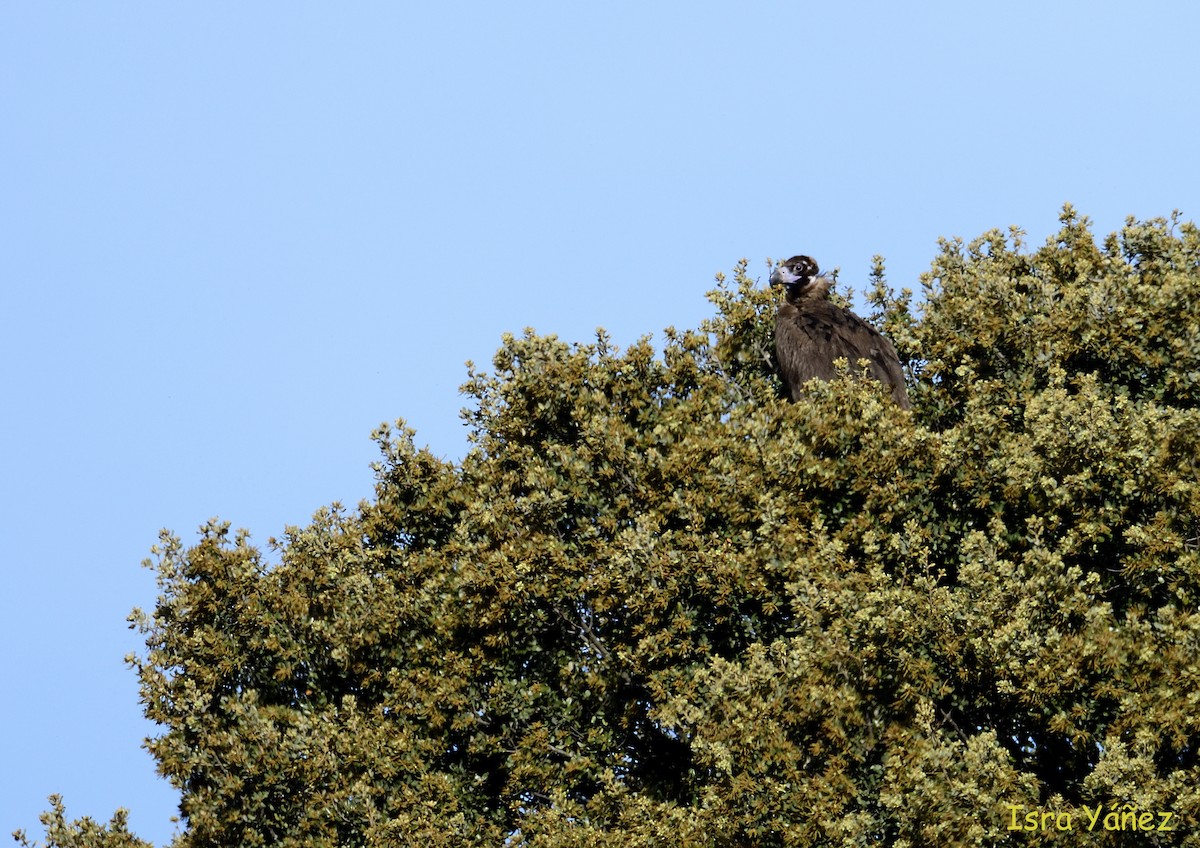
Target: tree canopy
656, 604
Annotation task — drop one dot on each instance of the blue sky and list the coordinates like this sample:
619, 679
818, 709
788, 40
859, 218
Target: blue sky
234, 238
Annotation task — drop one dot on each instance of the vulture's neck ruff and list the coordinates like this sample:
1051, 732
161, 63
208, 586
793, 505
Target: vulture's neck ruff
808, 288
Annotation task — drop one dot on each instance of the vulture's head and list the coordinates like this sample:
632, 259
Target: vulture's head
801, 278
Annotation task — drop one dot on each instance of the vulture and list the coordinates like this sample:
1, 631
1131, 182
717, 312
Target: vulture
811, 332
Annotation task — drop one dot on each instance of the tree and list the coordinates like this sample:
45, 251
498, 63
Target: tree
656, 604
83, 833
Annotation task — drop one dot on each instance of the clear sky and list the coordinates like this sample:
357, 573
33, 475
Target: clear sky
234, 238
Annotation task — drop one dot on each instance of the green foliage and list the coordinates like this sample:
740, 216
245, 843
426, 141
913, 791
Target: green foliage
655, 604
82, 833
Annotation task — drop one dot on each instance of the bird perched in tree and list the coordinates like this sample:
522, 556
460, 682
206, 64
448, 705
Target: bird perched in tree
811, 332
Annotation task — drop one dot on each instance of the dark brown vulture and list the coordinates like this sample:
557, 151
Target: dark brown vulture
811, 332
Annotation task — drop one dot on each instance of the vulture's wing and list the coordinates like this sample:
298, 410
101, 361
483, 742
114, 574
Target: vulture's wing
810, 336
